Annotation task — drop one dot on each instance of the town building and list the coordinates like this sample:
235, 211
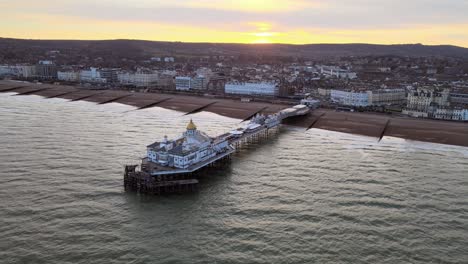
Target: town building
7, 70
200, 82
139, 79
46, 70
431, 103
415, 113
109, 74
333, 71
387, 96
68, 76
165, 80
459, 98
186, 83
169, 59
25, 71
93, 75
431, 71
324, 92
250, 88
46, 62
216, 84
28, 71
451, 114
424, 99
205, 72
183, 83
350, 98
202, 78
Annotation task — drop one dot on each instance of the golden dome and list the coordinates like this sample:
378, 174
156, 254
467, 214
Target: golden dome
191, 125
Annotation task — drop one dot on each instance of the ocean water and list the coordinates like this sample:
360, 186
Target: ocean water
303, 197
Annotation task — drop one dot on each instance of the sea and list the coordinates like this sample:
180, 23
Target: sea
311, 196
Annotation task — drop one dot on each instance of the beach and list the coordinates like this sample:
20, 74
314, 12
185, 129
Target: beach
367, 124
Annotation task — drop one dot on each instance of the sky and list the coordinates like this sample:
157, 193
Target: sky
431, 22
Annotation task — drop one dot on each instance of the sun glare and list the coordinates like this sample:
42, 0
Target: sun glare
265, 34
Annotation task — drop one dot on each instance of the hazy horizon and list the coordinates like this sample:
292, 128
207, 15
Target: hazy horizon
428, 22
214, 42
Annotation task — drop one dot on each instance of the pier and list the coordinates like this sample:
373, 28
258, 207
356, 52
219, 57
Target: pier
174, 166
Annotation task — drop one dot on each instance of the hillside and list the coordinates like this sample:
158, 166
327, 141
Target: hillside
16, 49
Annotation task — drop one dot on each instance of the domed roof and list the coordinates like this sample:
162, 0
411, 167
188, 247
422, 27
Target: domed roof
191, 125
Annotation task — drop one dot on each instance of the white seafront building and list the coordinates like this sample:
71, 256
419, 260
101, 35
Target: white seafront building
428, 103
349, 98
198, 82
92, 75
368, 98
138, 79
250, 88
193, 147
25, 71
422, 99
451, 114
434, 103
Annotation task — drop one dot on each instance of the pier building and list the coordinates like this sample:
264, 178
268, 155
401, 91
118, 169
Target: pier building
193, 147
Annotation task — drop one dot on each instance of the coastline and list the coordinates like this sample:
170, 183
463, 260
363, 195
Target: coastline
367, 124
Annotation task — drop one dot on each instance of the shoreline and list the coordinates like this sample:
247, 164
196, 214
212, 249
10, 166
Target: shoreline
367, 124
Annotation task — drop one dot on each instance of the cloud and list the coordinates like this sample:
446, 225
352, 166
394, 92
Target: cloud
297, 13
254, 6
296, 21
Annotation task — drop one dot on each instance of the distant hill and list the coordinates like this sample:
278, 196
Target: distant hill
142, 49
